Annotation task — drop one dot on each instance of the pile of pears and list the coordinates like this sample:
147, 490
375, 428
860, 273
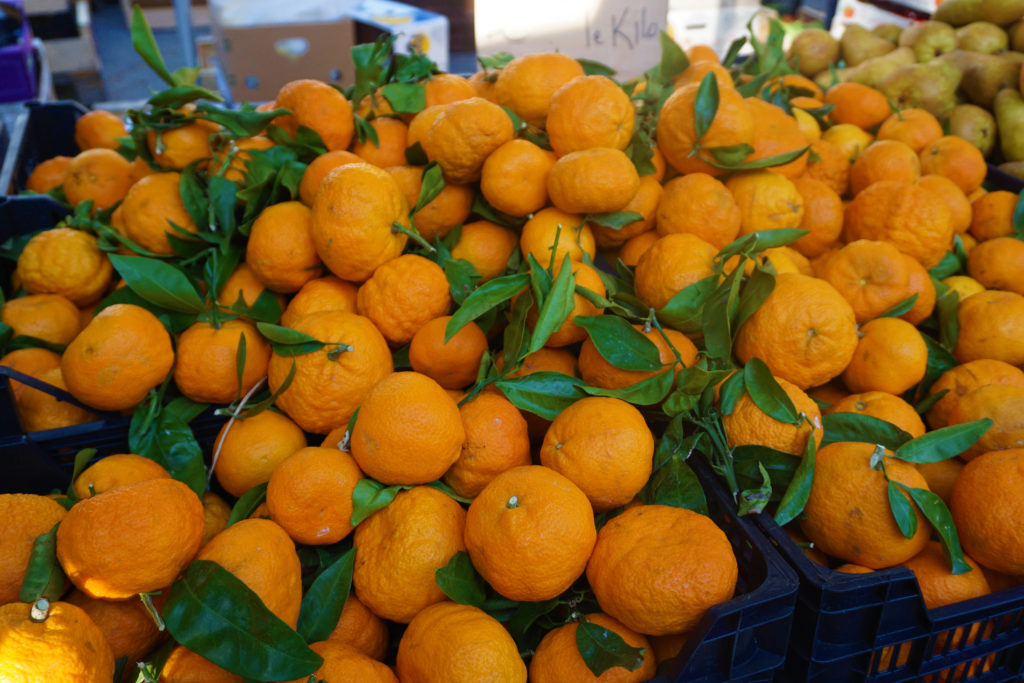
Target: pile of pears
963, 66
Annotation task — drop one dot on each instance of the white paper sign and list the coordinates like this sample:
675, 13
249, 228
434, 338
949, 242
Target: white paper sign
620, 33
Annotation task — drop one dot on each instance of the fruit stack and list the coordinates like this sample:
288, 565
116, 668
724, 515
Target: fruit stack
466, 334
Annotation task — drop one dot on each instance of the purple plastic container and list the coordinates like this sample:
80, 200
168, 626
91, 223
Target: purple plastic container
17, 61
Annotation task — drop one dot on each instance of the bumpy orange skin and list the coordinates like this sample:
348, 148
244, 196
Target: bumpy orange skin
589, 111
497, 439
403, 295
50, 317
514, 177
453, 364
670, 265
330, 384
66, 647
310, 495
318, 170
260, 554
319, 106
463, 135
185, 666
747, 424
345, 664
986, 507
884, 160
352, 220
149, 208
1002, 404
939, 586
884, 406
206, 369
831, 166
904, 214
530, 532
132, 539
991, 325
677, 131
399, 548
845, 487
595, 180
362, 629
913, 127
280, 250
527, 84
408, 430
113, 363
27, 517
955, 158
458, 644
116, 470
953, 197
65, 261
967, 377
604, 446
767, 201
127, 625
701, 205
658, 569
805, 331
557, 657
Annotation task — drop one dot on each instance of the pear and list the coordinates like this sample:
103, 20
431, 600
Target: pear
813, 51
960, 12
1014, 168
1009, 107
1016, 33
859, 44
929, 39
982, 36
930, 86
1013, 56
873, 71
974, 124
985, 75
890, 32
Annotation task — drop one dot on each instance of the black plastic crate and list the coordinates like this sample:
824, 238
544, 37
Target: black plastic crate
875, 627
44, 130
1001, 180
744, 639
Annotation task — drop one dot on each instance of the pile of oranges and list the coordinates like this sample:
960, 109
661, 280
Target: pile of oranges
439, 396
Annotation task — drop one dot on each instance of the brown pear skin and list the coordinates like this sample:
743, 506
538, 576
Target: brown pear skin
961, 12
890, 32
930, 39
875, 70
813, 51
974, 124
1014, 168
1009, 108
982, 36
1016, 33
859, 44
1013, 56
985, 75
930, 86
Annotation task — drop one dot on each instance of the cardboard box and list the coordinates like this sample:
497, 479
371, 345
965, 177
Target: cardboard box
714, 24
415, 29
620, 33
258, 60
867, 15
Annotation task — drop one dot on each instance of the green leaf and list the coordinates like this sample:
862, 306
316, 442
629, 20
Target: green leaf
674, 443
900, 308
767, 394
266, 308
767, 162
943, 444
545, 394
430, 187
949, 265
673, 60
644, 393
323, 602
799, 489
44, 577
169, 441
223, 200
193, 195
862, 428
936, 512
82, 459
159, 283
603, 649
902, 510
555, 308
732, 391
462, 278
718, 314
690, 385
496, 61
940, 359
706, 105
754, 292
616, 220
370, 496
247, 504
460, 582
145, 45
947, 306
415, 156
288, 342
488, 296
684, 311
677, 485
405, 98
620, 343
753, 501
593, 68
1018, 217
213, 613
759, 241
733, 52
731, 155
748, 461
